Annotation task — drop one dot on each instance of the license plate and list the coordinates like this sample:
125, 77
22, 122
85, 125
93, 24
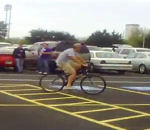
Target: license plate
8, 62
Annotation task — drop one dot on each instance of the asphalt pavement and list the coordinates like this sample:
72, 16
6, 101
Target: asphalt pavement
125, 104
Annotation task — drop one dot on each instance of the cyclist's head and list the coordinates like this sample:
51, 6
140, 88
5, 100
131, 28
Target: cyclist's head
77, 47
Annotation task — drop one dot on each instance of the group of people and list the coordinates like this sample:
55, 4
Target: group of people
69, 60
44, 58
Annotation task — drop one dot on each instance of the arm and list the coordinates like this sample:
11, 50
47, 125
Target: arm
78, 60
82, 60
47, 53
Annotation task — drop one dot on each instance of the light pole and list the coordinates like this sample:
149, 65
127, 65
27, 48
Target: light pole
145, 32
8, 8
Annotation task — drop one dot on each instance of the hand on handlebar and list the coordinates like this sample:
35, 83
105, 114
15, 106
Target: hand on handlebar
85, 65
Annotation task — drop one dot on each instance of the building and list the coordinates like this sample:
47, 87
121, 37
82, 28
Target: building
130, 29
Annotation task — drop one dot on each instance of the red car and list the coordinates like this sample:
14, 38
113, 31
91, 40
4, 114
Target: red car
7, 60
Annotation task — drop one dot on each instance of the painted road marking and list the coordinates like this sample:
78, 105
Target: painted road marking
108, 81
17, 105
143, 88
50, 99
104, 123
105, 76
32, 94
64, 111
132, 104
20, 90
97, 110
130, 91
122, 118
67, 104
103, 103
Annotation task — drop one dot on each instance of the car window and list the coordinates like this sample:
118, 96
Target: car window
125, 51
131, 55
140, 56
92, 55
107, 55
143, 50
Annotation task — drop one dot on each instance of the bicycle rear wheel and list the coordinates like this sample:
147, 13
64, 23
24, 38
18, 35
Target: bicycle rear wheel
93, 84
52, 85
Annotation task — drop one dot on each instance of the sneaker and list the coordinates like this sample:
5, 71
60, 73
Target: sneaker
45, 73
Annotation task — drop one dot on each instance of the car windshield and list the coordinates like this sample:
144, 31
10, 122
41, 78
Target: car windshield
107, 55
143, 50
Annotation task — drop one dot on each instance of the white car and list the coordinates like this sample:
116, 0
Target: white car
140, 62
3, 44
102, 60
125, 52
108, 49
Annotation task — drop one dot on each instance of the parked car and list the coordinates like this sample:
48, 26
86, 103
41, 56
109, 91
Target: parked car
3, 44
140, 62
106, 49
32, 51
102, 60
7, 60
125, 52
94, 48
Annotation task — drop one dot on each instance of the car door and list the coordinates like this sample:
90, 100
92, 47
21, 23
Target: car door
138, 59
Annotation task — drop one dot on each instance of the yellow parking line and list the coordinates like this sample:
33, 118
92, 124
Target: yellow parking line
89, 104
67, 104
130, 91
64, 111
12, 86
132, 104
32, 94
50, 99
106, 104
97, 110
122, 118
17, 105
20, 90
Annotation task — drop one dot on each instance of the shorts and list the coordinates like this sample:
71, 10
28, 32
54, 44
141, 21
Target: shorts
70, 67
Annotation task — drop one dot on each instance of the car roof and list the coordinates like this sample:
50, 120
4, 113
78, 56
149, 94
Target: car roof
101, 51
135, 48
5, 43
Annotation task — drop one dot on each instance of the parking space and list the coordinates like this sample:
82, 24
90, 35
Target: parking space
117, 108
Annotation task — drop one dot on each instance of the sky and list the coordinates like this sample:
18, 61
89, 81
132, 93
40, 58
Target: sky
78, 17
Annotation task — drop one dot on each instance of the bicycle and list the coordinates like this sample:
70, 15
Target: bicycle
90, 83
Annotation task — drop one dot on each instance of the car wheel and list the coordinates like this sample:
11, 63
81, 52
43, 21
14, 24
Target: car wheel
121, 72
92, 68
142, 69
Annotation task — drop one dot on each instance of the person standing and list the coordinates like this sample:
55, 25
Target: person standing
19, 55
45, 59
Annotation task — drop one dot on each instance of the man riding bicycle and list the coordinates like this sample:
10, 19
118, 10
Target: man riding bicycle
70, 62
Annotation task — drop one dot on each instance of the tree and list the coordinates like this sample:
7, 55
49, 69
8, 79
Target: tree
104, 39
138, 37
44, 35
3, 30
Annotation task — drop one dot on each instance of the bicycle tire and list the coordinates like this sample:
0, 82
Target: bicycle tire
86, 86
54, 85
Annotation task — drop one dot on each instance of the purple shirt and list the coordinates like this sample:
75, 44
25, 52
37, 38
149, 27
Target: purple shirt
46, 56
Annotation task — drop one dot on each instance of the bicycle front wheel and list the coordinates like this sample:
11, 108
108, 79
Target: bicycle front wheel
93, 84
50, 84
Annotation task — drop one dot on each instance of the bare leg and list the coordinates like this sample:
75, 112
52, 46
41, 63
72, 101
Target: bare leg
71, 78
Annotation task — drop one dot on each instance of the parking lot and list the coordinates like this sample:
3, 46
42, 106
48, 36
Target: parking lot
124, 105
